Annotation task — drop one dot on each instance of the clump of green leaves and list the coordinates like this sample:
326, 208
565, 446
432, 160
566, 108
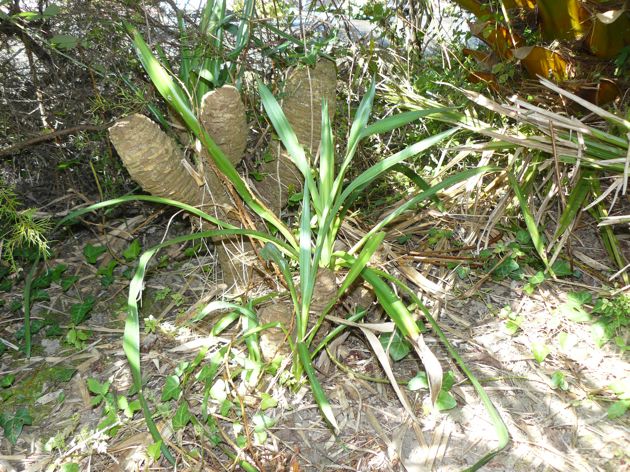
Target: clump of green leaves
558, 381
112, 405
79, 312
621, 389
445, 400
613, 319
20, 229
504, 261
609, 318
513, 321
540, 351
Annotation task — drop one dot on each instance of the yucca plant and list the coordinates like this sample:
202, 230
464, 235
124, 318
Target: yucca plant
329, 199
326, 200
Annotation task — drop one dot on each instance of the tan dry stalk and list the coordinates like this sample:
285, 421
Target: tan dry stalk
273, 340
153, 159
156, 163
223, 116
303, 93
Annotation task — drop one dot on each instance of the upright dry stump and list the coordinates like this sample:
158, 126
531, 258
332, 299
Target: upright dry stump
155, 161
302, 97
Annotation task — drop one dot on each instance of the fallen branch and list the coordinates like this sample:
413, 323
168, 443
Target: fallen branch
48, 136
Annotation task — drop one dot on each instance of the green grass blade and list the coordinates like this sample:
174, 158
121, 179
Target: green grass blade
131, 347
171, 92
356, 133
230, 229
318, 392
360, 314
326, 159
281, 33
499, 425
217, 305
307, 269
184, 51
271, 252
427, 194
224, 323
173, 95
288, 138
357, 266
206, 58
244, 30
404, 321
249, 321
283, 128
163, 57
419, 182
378, 169
144, 198
396, 121
326, 184
530, 222
609, 238
574, 204
207, 16
359, 123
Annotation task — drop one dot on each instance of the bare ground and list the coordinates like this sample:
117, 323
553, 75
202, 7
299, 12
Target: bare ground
550, 428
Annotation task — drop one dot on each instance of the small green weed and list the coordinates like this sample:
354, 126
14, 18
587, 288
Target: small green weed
150, 324
558, 381
513, 321
609, 318
13, 423
20, 229
445, 400
92, 253
77, 337
573, 309
162, 294
540, 351
395, 344
112, 405
621, 389
612, 321
133, 251
106, 271
7, 380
